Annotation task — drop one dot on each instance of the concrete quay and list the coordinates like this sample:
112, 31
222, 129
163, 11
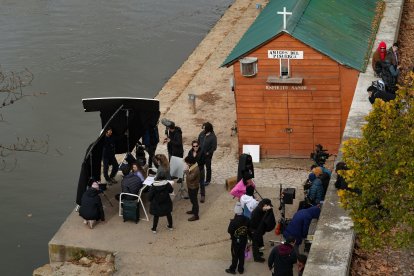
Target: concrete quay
203, 247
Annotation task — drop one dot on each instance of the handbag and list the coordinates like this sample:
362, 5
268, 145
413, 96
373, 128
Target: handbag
248, 254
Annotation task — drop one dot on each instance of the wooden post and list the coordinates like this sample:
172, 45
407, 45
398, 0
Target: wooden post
192, 102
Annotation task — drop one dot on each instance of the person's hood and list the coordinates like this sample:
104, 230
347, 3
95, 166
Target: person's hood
382, 44
285, 249
249, 201
314, 211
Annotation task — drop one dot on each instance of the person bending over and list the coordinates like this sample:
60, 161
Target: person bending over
255, 228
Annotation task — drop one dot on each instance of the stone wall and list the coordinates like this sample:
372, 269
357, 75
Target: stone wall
333, 243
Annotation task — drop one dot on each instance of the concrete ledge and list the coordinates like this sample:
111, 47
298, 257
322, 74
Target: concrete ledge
62, 253
333, 243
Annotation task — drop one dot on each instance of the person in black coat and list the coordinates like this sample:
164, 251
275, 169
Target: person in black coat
282, 258
174, 141
160, 202
256, 227
91, 209
208, 142
108, 157
238, 230
195, 152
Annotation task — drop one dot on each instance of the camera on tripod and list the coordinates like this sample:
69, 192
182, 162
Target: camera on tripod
320, 155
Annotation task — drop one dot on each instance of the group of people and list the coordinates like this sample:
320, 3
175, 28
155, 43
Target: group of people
198, 173
253, 219
386, 65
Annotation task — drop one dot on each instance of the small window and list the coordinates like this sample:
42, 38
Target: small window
248, 66
284, 68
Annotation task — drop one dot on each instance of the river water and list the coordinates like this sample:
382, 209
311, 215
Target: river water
77, 49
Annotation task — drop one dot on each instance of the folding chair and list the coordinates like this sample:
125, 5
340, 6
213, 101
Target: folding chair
139, 201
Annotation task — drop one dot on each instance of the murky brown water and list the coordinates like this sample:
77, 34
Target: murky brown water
78, 49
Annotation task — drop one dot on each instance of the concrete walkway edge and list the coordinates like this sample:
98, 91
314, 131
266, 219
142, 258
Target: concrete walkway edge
331, 251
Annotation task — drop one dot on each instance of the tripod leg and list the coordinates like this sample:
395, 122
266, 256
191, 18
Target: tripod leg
107, 199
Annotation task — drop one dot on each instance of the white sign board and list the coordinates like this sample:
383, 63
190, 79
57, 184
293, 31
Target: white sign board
254, 151
285, 54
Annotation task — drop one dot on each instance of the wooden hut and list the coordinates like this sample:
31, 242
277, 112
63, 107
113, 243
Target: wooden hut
295, 73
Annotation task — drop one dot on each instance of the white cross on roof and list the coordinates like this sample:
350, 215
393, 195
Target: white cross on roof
284, 13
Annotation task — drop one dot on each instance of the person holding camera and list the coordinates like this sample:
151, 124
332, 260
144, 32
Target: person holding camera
91, 209
174, 141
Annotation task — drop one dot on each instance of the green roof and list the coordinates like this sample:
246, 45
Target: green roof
344, 30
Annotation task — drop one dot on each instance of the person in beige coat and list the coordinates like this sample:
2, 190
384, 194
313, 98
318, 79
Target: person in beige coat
193, 184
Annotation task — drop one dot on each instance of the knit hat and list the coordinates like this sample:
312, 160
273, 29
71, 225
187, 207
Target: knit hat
238, 210
267, 201
95, 185
317, 171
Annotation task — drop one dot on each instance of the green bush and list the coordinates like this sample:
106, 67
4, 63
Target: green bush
381, 166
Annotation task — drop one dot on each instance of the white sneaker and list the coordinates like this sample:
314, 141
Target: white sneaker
261, 248
85, 221
169, 228
154, 231
91, 222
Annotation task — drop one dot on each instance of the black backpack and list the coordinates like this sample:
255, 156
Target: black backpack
386, 75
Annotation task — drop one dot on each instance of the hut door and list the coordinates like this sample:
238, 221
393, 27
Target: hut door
300, 126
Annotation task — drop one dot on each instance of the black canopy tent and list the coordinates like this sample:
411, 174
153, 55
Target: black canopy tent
128, 118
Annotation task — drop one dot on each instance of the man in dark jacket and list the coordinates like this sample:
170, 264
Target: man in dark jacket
174, 141
108, 157
208, 142
150, 140
91, 209
282, 258
298, 227
238, 229
256, 227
